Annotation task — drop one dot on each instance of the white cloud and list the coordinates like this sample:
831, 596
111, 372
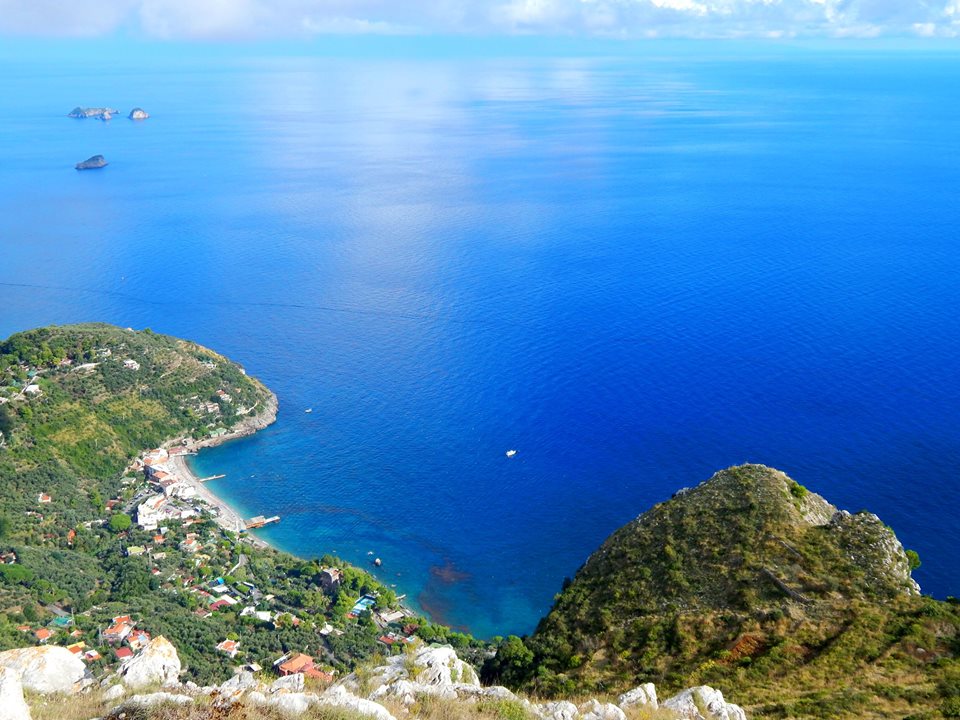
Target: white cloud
244, 19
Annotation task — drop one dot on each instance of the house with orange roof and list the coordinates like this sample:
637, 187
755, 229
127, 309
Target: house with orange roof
229, 647
44, 499
138, 639
118, 632
43, 634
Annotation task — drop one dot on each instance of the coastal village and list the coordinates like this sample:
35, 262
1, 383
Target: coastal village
186, 553
279, 615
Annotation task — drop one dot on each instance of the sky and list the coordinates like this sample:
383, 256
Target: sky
273, 20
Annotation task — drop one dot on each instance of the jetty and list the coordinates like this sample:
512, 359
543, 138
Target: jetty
212, 477
259, 521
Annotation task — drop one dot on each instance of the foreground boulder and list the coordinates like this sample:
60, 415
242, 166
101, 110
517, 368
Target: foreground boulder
47, 669
641, 696
692, 701
157, 698
92, 163
138, 114
338, 696
595, 710
157, 664
12, 704
434, 671
438, 667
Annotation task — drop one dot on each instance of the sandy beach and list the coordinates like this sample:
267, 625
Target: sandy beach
227, 517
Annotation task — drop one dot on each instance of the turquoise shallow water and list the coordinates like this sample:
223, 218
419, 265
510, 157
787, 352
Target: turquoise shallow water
633, 271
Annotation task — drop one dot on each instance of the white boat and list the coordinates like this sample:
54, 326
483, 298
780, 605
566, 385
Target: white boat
511, 453
308, 410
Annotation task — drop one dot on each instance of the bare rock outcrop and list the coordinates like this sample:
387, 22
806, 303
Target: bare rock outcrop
338, 696
47, 669
692, 703
595, 710
138, 114
157, 664
641, 696
12, 704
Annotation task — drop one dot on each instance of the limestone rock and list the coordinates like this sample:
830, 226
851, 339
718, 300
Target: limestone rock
436, 667
494, 692
441, 666
643, 695
292, 703
138, 114
243, 680
92, 163
407, 692
157, 664
560, 710
158, 698
47, 669
594, 710
12, 704
339, 696
689, 703
288, 684
256, 697
115, 692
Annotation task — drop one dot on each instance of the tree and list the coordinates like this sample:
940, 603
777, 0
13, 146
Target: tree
913, 557
6, 422
120, 522
512, 665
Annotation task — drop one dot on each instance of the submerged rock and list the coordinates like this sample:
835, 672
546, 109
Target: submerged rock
92, 163
138, 114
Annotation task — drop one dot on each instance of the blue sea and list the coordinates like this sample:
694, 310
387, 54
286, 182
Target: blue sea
633, 270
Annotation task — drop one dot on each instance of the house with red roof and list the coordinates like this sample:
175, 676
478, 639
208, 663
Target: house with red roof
301, 664
43, 634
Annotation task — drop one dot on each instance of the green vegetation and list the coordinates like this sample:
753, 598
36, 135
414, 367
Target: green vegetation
756, 586
120, 522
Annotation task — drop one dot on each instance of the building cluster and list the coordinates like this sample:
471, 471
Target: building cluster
172, 499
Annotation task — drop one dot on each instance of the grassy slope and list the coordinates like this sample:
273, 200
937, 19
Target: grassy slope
743, 583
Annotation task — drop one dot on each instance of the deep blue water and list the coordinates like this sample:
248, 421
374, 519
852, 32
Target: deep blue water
633, 271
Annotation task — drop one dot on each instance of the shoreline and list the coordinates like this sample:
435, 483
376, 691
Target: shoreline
226, 516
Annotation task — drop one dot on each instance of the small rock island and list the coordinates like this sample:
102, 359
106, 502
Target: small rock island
103, 113
92, 163
138, 114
